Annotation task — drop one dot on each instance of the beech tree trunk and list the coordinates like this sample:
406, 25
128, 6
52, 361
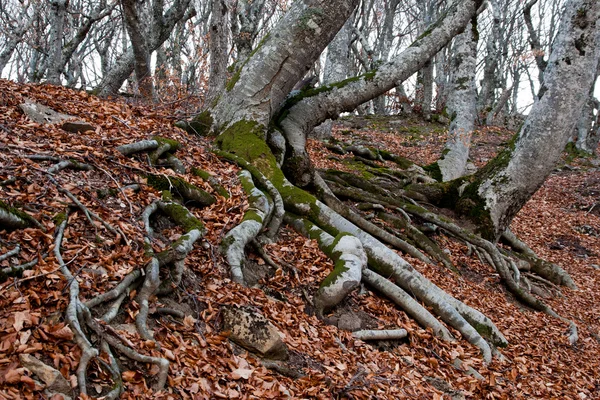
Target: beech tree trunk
218, 50
461, 105
506, 183
141, 55
336, 68
59, 10
160, 30
330, 101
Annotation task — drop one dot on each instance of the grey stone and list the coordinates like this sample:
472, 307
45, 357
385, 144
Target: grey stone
349, 322
254, 332
41, 114
51, 377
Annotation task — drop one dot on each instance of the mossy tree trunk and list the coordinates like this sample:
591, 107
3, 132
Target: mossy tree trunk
502, 188
262, 128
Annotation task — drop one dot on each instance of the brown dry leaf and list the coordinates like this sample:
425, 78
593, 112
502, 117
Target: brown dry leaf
21, 317
64, 333
14, 375
242, 373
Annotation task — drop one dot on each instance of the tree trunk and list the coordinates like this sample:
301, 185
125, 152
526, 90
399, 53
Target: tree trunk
160, 32
218, 50
508, 181
141, 55
257, 91
461, 106
336, 68
329, 101
59, 11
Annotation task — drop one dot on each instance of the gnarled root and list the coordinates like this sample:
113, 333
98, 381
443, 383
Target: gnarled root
348, 255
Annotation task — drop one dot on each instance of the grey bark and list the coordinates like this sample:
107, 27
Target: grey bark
271, 73
506, 188
336, 68
161, 29
492, 59
58, 12
218, 50
461, 106
587, 131
132, 14
329, 103
534, 41
245, 25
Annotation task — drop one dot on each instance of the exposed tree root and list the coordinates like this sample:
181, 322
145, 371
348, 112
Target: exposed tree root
79, 314
407, 303
386, 334
499, 262
279, 210
543, 268
348, 255
236, 240
161, 152
13, 218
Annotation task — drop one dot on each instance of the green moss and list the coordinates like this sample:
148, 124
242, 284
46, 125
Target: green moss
173, 144
211, 180
402, 162
226, 243
434, 171
573, 153
181, 188
59, 218
246, 140
330, 250
200, 125
236, 75
166, 195
338, 270
311, 91
183, 217
252, 215
27, 219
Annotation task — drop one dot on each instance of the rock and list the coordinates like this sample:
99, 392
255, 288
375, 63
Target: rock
254, 332
41, 114
349, 322
51, 377
77, 126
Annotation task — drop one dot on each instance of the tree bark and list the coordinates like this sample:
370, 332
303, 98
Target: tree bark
461, 106
141, 55
336, 68
218, 50
329, 101
507, 182
59, 11
160, 32
257, 91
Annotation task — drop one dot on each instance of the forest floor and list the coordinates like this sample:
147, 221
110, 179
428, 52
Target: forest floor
561, 223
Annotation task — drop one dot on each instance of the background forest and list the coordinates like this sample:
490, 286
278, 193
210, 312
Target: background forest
311, 199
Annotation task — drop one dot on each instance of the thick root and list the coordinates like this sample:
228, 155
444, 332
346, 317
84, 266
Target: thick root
349, 257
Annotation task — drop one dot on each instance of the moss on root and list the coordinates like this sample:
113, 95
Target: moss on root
27, 219
200, 125
181, 188
338, 269
181, 216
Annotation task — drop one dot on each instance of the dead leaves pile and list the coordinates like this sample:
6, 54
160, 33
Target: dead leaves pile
204, 364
